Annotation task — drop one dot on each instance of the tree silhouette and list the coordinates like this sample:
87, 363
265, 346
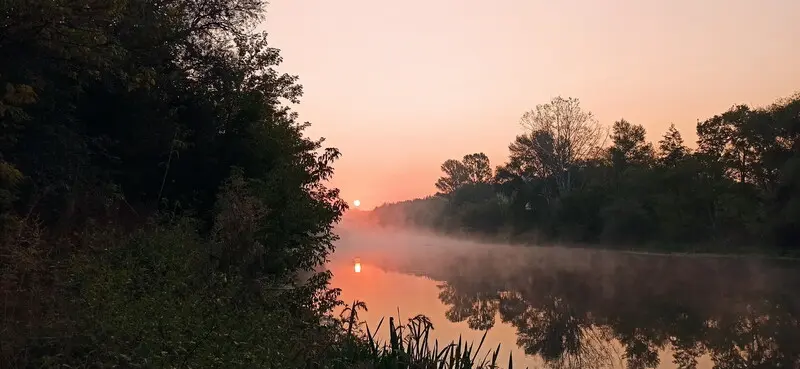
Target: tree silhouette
575, 135
455, 176
478, 168
629, 145
472, 169
739, 188
671, 150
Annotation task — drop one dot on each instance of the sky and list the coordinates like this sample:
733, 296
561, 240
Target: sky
401, 86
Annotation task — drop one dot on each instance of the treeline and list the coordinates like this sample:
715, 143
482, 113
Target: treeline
160, 205
570, 179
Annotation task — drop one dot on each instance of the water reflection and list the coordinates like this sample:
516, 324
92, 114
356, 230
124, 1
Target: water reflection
596, 309
403, 296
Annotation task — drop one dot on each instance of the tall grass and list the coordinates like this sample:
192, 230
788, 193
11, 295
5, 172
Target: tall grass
409, 346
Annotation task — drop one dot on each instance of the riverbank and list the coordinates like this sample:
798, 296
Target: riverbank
154, 298
533, 239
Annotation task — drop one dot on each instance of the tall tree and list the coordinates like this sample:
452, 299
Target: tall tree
737, 140
478, 168
575, 133
532, 156
455, 176
472, 168
629, 145
671, 149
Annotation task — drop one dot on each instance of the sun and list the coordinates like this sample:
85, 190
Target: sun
357, 203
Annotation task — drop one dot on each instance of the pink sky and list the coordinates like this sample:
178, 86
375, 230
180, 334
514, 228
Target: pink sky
401, 86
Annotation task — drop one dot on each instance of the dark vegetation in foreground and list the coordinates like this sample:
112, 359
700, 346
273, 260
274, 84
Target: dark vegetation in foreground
568, 179
159, 204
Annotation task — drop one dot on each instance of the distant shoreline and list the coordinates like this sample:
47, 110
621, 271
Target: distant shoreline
646, 250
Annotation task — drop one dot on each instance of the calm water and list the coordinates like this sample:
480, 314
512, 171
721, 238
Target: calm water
575, 308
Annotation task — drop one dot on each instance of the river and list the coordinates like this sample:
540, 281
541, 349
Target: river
567, 307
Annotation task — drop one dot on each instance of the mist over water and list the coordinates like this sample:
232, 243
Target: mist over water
569, 307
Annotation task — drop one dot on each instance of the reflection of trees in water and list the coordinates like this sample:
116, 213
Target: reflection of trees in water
552, 329
570, 319
766, 336
556, 332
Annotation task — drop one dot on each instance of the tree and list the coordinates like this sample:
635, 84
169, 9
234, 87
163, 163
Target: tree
738, 139
473, 168
531, 156
167, 120
478, 168
629, 145
575, 135
455, 176
671, 149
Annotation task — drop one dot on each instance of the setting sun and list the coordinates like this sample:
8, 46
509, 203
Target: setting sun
357, 203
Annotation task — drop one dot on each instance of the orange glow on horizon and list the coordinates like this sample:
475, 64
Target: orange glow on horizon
358, 63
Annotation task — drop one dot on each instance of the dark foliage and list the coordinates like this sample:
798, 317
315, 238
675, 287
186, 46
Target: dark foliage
739, 189
159, 202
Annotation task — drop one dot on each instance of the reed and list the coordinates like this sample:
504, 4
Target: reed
409, 346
